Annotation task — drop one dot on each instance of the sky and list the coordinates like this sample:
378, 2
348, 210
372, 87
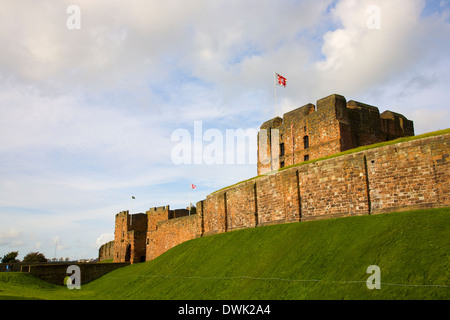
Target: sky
102, 101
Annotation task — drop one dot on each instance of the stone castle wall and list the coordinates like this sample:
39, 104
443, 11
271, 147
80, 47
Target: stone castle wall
403, 176
106, 251
171, 233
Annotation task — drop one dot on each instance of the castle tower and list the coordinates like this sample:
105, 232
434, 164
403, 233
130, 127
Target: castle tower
129, 237
308, 133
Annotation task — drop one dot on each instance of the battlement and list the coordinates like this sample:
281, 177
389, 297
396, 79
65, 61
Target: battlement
135, 232
335, 125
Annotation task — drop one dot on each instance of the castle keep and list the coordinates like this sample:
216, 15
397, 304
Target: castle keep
402, 176
311, 132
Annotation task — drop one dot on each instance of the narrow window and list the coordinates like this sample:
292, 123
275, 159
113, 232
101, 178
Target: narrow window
281, 149
306, 142
306, 158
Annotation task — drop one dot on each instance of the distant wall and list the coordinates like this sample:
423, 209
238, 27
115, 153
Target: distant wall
56, 272
106, 251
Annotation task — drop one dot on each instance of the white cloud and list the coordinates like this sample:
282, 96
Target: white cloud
9, 237
104, 238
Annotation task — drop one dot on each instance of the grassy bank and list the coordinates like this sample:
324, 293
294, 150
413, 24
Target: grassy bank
307, 260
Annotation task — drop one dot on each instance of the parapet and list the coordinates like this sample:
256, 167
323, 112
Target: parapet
302, 112
272, 123
396, 125
158, 210
122, 214
332, 101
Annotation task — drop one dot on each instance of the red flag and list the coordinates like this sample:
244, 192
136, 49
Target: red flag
193, 186
281, 80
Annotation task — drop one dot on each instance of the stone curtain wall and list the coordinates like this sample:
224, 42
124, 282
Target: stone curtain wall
56, 273
106, 251
333, 188
402, 176
171, 233
410, 175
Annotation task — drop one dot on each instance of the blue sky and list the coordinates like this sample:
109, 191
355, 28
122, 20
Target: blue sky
87, 115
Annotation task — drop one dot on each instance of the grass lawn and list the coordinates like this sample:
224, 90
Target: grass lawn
324, 259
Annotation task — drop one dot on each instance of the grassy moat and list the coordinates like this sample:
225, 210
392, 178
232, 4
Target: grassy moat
325, 259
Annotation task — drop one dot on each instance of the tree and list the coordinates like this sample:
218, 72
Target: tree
10, 257
35, 257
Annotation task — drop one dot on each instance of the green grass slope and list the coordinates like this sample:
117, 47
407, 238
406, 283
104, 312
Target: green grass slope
324, 259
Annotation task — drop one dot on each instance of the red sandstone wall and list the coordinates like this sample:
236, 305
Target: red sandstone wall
410, 175
171, 233
106, 251
333, 187
241, 206
277, 198
402, 176
121, 236
214, 213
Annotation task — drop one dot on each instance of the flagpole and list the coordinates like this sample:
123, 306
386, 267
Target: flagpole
189, 199
275, 90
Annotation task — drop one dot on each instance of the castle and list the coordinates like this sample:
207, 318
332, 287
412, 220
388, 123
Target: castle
289, 188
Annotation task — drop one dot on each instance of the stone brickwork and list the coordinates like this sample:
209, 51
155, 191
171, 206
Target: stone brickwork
171, 233
144, 236
402, 176
337, 125
56, 273
241, 207
410, 175
106, 251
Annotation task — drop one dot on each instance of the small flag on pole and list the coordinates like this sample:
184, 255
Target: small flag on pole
132, 197
278, 81
281, 81
192, 186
